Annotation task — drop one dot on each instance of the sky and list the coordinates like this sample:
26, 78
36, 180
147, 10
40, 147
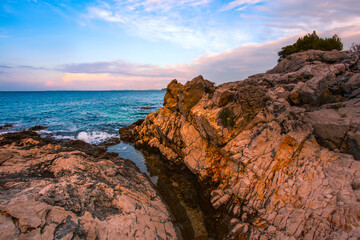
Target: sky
144, 44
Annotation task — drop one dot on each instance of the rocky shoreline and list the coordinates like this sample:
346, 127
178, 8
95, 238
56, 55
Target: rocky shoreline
279, 151
73, 190
277, 154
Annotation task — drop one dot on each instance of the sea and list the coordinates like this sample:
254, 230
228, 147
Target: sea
91, 116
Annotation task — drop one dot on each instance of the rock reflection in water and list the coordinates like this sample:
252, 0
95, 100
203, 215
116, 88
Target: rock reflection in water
179, 188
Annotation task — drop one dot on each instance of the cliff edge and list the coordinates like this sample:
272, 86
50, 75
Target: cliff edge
279, 150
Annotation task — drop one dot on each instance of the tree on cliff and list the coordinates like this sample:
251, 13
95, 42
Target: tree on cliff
311, 41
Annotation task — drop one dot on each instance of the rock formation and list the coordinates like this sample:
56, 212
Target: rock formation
278, 149
73, 190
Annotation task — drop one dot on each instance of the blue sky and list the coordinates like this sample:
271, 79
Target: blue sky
143, 44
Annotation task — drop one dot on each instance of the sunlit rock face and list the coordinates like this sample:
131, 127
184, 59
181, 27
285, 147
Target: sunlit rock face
74, 190
280, 149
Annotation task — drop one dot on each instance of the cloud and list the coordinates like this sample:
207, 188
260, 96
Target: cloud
163, 5
23, 67
239, 4
184, 23
291, 17
113, 75
201, 26
106, 81
237, 43
13, 78
5, 66
230, 65
239, 63
127, 69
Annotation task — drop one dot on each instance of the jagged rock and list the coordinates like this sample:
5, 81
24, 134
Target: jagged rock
192, 92
127, 134
297, 61
53, 190
336, 126
286, 168
172, 94
223, 97
252, 99
110, 142
352, 84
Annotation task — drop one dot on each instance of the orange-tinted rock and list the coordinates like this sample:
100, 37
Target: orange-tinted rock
192, 92
286, 168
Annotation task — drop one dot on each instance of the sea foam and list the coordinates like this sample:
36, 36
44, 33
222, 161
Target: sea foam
94, 137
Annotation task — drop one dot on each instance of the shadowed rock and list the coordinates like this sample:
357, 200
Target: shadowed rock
127, 134
192, 92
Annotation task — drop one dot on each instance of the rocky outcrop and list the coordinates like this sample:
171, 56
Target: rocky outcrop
127, 134
279, 150
73, 190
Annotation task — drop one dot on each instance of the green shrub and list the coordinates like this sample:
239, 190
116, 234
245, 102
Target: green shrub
226, 118
311, 41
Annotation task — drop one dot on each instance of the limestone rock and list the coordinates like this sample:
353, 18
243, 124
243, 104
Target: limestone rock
127, 134
336, 126
353, 83
56, 190
286, 168
172, 94
192, 92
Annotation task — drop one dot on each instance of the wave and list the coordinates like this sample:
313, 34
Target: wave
45, 132
59, 137
94, 137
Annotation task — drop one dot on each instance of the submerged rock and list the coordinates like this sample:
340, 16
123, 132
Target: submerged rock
73, 190
6, 126
287, 166
37, 128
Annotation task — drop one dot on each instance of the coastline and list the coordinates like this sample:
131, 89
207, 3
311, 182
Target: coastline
56, 189
175, 193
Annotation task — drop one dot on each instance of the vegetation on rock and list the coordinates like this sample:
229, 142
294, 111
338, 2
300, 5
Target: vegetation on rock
226, 118
311, 41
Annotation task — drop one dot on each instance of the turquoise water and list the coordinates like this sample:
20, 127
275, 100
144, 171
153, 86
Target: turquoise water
91, 116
